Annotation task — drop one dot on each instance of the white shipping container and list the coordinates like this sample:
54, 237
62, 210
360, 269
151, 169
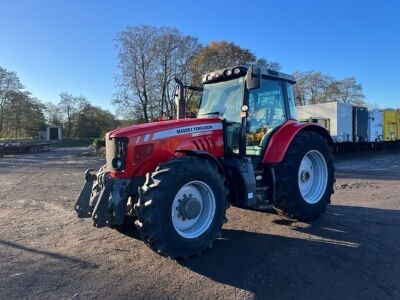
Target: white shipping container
339, 114
375, 125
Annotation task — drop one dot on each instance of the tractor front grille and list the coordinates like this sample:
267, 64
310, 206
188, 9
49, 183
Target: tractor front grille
116, 151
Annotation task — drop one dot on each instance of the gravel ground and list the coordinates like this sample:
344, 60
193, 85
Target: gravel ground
351, 252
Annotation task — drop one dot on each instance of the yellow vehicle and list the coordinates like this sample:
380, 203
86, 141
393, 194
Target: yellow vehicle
390, 125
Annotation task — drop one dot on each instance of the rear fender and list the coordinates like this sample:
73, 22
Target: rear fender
282, 138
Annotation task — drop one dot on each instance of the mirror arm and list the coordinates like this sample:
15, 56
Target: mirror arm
194, 88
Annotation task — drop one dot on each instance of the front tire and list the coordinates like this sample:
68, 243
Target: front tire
181, 207
305, 178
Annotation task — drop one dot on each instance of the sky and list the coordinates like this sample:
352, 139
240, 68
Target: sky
69, 46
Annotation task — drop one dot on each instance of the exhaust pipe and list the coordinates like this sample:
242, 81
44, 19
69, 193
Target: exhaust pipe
180, 99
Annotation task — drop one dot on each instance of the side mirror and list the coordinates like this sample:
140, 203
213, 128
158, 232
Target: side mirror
253, 78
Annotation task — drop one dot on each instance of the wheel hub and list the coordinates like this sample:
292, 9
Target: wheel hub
305, 175
189, 207
193, 209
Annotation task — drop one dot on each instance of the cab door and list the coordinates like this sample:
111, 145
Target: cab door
267, 110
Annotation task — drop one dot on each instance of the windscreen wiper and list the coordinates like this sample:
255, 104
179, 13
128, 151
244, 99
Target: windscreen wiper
211, 113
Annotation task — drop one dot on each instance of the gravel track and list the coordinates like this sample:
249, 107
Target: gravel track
351, 252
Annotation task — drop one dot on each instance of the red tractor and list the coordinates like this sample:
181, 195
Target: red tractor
245, 148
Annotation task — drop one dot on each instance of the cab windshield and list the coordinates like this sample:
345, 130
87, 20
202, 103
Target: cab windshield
223, 99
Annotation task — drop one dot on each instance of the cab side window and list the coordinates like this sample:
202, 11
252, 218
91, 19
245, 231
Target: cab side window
292, 106
266, 112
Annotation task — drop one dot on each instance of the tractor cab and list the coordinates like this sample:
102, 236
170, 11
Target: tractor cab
251, 102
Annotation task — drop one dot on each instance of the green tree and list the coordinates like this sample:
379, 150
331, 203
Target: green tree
69, 105
24, 115
9, 83
92, 121
219, 55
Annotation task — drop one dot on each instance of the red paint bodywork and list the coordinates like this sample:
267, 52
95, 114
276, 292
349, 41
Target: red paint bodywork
284, 135
163, 149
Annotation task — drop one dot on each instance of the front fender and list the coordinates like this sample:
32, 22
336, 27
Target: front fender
282, 138
205, 155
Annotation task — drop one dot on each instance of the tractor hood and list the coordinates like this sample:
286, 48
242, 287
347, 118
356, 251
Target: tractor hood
136, 150
182, 126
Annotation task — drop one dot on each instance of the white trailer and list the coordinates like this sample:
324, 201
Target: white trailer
340, 117
375, 125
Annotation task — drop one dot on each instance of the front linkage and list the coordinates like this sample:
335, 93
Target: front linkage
103, 198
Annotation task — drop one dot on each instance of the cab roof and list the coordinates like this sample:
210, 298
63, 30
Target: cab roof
240, 71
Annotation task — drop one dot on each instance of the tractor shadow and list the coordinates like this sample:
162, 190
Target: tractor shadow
129, 228
51, 255
347, 252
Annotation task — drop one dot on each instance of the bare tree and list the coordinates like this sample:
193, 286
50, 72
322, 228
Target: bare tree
149, 59
271, 65
173, 54
301, 88
349, 91
166, 47
52, 113
68, 106
136, 62
315, 87
316, 84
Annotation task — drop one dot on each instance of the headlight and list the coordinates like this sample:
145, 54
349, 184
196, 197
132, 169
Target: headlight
116, 163
116, 153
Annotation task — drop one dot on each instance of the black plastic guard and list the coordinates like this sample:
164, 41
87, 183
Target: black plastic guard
100, 211
82, 206
242, 182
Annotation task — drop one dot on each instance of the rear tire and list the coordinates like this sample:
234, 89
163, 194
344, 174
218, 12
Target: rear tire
161, 218
304, 179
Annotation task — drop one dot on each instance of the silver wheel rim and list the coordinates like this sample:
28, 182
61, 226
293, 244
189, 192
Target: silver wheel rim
196, 226
312, 176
